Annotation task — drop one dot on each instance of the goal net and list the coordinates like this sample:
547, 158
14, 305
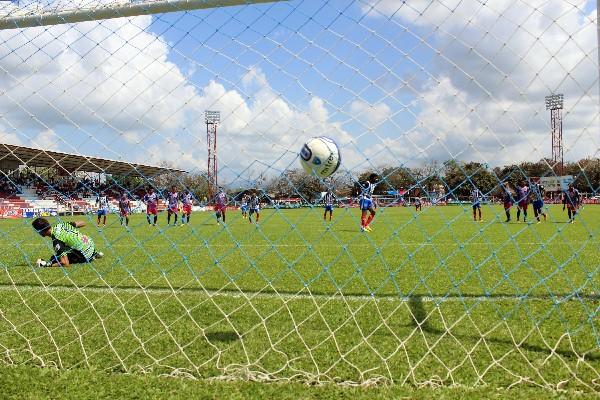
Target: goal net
171, 130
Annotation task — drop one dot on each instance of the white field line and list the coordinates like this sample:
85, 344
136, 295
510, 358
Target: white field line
250, 295
312, 245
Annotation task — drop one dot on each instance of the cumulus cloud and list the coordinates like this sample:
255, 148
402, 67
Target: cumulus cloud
492, 65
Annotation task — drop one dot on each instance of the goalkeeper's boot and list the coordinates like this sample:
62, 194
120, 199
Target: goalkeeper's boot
41, 263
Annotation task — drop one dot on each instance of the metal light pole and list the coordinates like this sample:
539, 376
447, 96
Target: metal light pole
554, 103
212, 119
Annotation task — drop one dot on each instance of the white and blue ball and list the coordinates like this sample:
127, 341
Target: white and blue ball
320, 156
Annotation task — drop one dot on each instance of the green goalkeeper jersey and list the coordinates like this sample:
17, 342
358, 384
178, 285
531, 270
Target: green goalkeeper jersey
66, 238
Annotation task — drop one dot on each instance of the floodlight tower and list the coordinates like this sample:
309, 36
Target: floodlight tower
554, 103
212, 119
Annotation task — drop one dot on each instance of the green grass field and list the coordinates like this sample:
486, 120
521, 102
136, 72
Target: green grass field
426, 299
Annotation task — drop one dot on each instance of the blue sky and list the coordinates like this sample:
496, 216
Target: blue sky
392, 83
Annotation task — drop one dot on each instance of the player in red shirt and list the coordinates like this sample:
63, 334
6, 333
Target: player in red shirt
220, 204
124, 208
151, 200
187, 201
173, 206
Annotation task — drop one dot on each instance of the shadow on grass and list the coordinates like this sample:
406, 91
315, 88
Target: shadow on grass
419, 315
222, 336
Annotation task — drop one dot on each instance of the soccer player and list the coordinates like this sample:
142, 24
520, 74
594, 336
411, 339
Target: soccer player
173, 205
366, 205
187, 200
151, 201
244, 206
507, 199
476, 198
124, 208
538, 192
102, 203
220, 204
254, 205
571, 200
522, 200
328, 200
70, 245
418, 204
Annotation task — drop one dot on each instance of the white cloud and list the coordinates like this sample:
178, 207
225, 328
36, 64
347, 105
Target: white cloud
494, 63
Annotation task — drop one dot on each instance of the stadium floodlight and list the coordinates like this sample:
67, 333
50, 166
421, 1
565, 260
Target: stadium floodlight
212, 117
554, 102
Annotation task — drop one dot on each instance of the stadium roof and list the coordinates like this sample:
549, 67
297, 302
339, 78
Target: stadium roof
72, 162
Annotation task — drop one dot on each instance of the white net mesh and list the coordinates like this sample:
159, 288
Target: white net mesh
440, 103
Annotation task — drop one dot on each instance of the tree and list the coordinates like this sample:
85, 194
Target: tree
461, 178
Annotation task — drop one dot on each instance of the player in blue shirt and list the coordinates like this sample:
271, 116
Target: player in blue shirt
244, 206
367, 206
538, 192
571, 200
476, 198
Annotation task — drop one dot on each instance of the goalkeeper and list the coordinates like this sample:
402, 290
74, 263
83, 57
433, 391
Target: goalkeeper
70, 245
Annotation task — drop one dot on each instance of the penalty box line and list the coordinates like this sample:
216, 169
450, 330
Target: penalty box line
287, 296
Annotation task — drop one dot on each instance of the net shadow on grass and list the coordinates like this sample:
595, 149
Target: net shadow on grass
419, 315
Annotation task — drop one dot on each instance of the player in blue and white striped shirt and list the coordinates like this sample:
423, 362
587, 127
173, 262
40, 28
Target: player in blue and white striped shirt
328, 199
366, 205
476, 198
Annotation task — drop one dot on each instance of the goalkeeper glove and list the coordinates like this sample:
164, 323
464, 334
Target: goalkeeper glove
42, 263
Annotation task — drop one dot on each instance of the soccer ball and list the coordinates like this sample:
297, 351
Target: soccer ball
320, 156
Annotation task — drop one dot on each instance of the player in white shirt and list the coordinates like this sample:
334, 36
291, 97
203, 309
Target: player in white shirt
254, 207
173, 205
102, 203
220, 205
328, 200
476, 199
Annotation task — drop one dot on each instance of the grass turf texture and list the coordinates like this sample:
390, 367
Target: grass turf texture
431, 297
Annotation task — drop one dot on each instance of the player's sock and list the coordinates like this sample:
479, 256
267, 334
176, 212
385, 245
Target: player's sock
518, 214
363, 221
507, 215
155, 219
175, 219
369, 220
223, 217
524, 215
126, 221
168, 219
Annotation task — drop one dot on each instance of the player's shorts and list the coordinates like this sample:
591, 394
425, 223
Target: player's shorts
507, 205
102, 212
572, 206
74, 256
254, 210
173, 209
476, 206
152, 210
244, 208
329, 207
523, 205
366, 204
187, 208
124, 212
538, 204
220, 209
